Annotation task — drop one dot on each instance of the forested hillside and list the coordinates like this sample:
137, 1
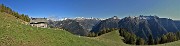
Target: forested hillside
8, 10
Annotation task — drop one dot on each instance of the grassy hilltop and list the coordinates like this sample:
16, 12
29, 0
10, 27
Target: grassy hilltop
14, 33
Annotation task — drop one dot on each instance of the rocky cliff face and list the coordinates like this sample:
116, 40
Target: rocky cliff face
143, 26
104, 24
177, 22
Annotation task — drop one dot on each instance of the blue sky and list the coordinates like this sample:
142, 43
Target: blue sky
95, 8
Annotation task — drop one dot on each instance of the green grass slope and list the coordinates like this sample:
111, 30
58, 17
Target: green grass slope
14, 33
111, 38
176, 43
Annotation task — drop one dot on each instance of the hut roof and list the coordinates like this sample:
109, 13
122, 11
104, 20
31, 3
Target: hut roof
37, 20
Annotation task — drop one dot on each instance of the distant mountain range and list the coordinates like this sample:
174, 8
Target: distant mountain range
76, 26
142, 26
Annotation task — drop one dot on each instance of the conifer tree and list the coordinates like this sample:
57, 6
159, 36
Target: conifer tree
150, 40
163, 39
140, 41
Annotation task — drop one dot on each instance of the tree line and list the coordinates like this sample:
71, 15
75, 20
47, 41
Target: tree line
103, 31
130, 38
8, 10
169, 37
